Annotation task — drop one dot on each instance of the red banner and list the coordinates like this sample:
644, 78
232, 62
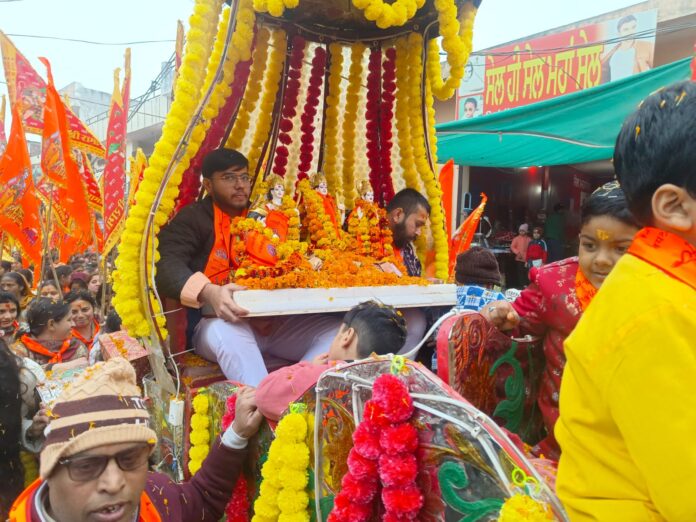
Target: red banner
114, 176
465, 233
94, 196
3, 138
19, 206
28, 92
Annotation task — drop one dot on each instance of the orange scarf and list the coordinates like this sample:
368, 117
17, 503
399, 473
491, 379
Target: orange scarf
87, 342
584, 289
278, 222
21, 509
36, 347
668, 252
220, 260
330, 211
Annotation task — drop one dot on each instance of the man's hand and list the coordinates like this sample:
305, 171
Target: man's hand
41, 420
502, 315
221, 299
321, 359
247, 417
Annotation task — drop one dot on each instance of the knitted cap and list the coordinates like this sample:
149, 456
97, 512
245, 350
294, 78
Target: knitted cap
103, 406
477, 265
525, 227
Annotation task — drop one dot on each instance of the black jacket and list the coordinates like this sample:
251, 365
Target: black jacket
185, 244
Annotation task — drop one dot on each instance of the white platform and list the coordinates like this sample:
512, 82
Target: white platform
323, 300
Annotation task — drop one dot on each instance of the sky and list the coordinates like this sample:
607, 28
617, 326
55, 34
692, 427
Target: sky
498, 21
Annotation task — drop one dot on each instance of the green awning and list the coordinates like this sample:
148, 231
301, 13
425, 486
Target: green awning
574, 128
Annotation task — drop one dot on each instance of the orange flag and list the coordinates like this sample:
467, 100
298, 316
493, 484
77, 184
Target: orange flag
59, 167
19, 206
28, 92
135, 174
446, 183
3, 138
465, 233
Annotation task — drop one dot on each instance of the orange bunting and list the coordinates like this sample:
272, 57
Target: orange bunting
465, 233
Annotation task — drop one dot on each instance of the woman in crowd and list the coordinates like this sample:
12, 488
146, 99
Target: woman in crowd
553, 303
83, 313
50, 289
94, 285
16, 284
49, 340
9, 312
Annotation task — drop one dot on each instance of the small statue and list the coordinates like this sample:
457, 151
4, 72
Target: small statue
321, 187
270, 210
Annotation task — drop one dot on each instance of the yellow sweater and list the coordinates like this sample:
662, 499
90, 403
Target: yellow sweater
627, 427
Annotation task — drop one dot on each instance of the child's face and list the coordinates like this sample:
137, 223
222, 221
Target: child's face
536, 234
344, 346
603, 240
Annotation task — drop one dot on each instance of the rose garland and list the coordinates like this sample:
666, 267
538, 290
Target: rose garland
127, 278
333, 100
274, 7
316, 79
283, 493
457, 40
387, 15
357, 51
200, 432
271, 83
237, 509
386, 116
252, 91
372, 115
432, 187
383, 456
289, 108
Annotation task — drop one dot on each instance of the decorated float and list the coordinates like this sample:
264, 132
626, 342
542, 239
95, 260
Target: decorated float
332, 103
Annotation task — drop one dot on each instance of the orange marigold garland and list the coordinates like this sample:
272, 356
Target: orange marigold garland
322, 233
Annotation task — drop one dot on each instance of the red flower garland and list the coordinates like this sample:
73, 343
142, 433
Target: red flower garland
237, 509
386, 115
289, 109
383, 455
316, 79
372, 111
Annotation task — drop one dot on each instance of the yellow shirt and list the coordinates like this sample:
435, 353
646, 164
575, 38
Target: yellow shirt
627, 427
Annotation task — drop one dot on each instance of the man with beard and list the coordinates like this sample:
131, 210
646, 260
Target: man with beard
195, 266
408, 213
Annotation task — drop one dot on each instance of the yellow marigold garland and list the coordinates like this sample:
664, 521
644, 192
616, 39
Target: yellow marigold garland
127, 279
200, 432
432, 187
253, 90
274, 7
457, 40
333, 100
283, 493
357, 52
522, 508
271, 82
432, 133
320, 227
387, 15
403, 126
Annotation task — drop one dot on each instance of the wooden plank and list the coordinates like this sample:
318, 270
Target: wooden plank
293, 301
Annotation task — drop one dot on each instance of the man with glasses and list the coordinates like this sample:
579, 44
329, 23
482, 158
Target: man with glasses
196, 261
94, 463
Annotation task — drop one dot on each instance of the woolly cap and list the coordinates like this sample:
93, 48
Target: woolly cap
103, 406
477, 266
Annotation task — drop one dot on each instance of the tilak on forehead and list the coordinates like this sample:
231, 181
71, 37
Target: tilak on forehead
603, 235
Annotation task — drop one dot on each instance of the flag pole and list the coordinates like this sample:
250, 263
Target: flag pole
46, 246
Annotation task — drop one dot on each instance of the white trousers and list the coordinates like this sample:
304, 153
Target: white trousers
240, 348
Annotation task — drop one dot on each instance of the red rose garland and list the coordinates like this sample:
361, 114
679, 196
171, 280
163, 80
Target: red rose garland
237, 509
316, 79
372, 110
383, 456
289, 109
386, 114
191, 180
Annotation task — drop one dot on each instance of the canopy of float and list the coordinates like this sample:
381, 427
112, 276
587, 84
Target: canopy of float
574, 128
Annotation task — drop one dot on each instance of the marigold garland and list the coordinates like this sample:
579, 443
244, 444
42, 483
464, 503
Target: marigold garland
357, 51
387, 15
369, 226
333, 100
316, 79
522, 508
252, 92
274, 7
457, 40
322, 232
285, 478
403, 126
128, 278
200, 432
432, 187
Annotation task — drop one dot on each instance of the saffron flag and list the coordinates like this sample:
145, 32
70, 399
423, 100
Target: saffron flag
28, 93
3, 138
465, 233
59, 167
19, 206
135, 175
446, 183
114, 176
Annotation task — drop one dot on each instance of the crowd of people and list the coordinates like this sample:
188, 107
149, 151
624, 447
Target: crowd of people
615, 321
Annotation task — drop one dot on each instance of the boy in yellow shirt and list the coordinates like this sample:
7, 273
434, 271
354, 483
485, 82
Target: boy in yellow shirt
627, 423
